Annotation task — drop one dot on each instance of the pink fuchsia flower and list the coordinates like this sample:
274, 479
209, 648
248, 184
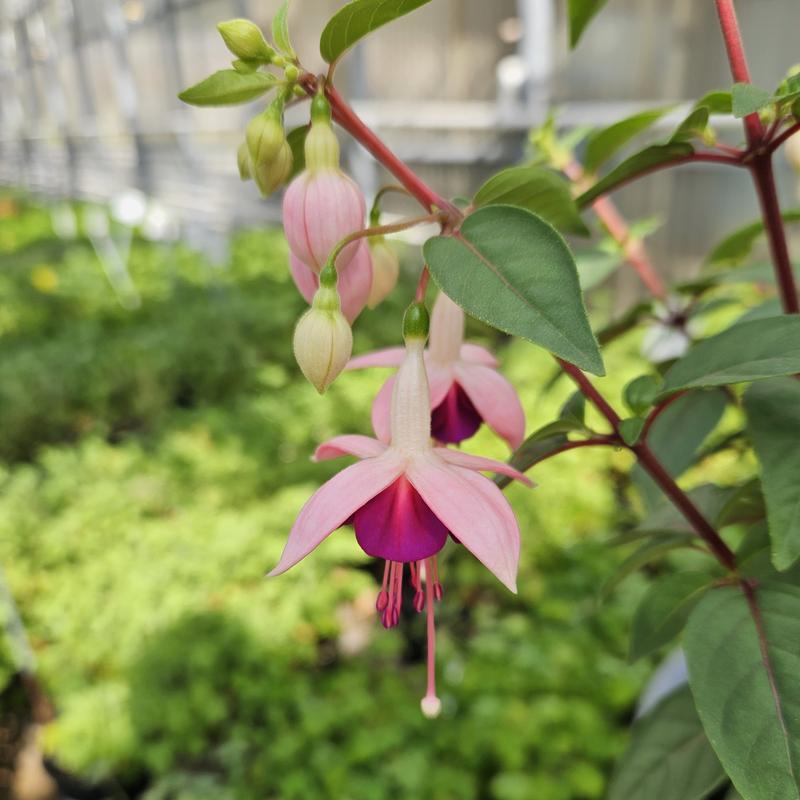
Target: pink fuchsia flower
404, 499
465, 387
354, 285
322, 205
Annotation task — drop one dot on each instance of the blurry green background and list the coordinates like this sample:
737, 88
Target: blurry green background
152, 463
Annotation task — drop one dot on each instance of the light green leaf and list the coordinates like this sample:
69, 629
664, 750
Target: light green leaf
580, 14
512, 270
663, 611
595, 266
602, 144
773, 422
751, 351
745, 686
669, 757
631, 429
694, 126
737, 246
748, 99
644, 161
538, 190
641, 392
280, 29
228, 87
718, 102
358, 18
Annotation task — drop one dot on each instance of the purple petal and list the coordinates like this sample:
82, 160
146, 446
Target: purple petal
455, 418
397, 525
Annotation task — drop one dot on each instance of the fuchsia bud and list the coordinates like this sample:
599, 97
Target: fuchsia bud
322, 205
385, 270
267, 154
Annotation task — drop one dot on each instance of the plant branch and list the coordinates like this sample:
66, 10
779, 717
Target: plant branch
657, 412
787, 134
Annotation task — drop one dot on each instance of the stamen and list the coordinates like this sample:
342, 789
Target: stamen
438, 591
431, 705
383, 595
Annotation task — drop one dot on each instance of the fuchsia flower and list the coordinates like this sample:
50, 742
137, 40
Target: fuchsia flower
404, 498
355, 281
465, 387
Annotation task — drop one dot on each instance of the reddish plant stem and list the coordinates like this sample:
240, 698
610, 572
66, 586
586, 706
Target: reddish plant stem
657, 412
738, 61
422, 284
656, 470
787, 134
632, 247
760, 163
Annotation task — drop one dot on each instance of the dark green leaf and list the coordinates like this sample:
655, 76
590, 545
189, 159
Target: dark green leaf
358, 18
280, 29
738, 245
559, 426
771, 308
755, 559
511, 269
631, 429
773, 421
537, 189
665, 518
646, 160
530, 453
297, 142
695, 415
745, 685
575, 408
694, 126
764, 348
580, 14
745, 504
228, 87
629, 320
602, 144
641, 392
664, 609
719, 102
748, 99
669, 757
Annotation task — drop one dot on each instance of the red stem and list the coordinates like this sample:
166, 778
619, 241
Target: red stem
738, 61
657, 412
422, 284
787, 134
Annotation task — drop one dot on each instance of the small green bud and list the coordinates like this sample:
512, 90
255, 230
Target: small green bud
245, 40
321, 147
245, 67
416, 322
298, 91
328, 276
274, 173
243, 160
291, 73
264, 137
320, 109
385, 270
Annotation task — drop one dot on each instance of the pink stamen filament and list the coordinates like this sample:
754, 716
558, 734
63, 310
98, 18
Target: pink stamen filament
431, 705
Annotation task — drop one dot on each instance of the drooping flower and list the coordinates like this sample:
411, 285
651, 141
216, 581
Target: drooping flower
322, 205
465, 387
354, 281
406, 497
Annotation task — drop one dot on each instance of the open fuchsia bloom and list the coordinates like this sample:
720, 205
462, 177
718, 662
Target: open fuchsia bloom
465, 387
404, 498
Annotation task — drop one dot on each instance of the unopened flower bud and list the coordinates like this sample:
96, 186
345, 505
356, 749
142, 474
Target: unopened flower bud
264, 136
243, 160
291, 73
385, 270
416, 322
792, 150
245, 40
323, 341
272, 174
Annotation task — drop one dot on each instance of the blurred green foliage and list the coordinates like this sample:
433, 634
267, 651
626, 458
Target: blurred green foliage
153, 462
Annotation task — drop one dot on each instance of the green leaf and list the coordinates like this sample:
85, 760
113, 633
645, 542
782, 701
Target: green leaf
537, 189
665, 518
297, 142
694, 126
695, 415
755, 559
512, 270
748, 99
631, 429
602, 144
629, 320
773, 422
648, 159
717, 102
580, 14
228, 87
669, 757
764, 348
358, 18
530, 453
574, 409
280, 29
745, 685
738, 245
641, 392
595, 266
559, 426
664, 610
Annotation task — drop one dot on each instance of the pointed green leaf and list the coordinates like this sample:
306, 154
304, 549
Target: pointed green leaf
563, 426
751, 351
737, 246
530, 453
748, 99
648, 159
641, 392
773, 422
665, 518
512, 270
694, 126
537, 189
718, 102
631, 429
581, 13
669, 757
280, 29
664, 610
602, 144
745, 685
358, 18
228, 87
